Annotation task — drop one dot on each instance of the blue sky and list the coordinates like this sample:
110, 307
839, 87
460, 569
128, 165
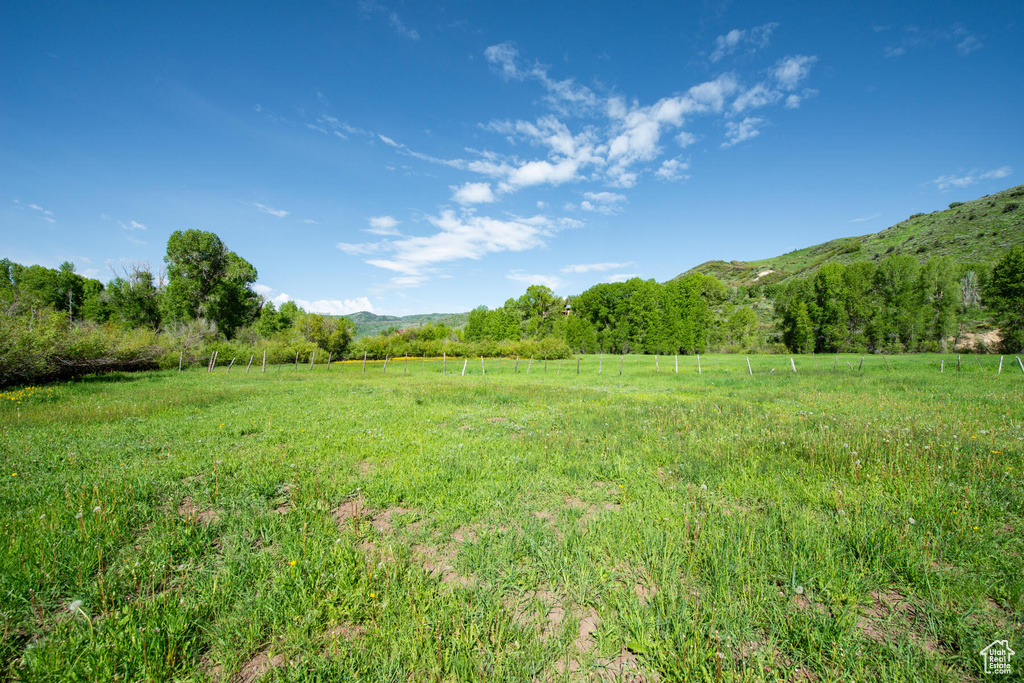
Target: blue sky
433, 157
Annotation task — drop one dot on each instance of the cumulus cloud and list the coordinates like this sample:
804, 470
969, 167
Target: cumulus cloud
465, 235
755, 39
946, 182
383, 225
736, 132
594, 267
370, 7
473, 193
46, 213
327, 306
564, 95
132, 225
672, 169
602, 202
789, 71
622, 277
263, 208
552, 282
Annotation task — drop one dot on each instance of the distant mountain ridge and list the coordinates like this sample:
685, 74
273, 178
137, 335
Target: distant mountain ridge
978, 231
370, 324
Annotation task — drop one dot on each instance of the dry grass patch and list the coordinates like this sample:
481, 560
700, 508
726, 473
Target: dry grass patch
891, 614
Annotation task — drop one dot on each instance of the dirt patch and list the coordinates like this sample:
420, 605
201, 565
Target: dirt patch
257, 666
464, 427
364, 467
190, 510
284, 500
889, 615
583, 643
465, 534
441, 564
590, 510
803, 603
350, 513
645, 593
624, 667
381, 521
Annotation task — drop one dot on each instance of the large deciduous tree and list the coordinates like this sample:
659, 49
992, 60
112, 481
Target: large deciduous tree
207, 280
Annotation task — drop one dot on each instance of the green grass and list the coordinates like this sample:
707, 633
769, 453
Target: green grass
340, 525
978, 231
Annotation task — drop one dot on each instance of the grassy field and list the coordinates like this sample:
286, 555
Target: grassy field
330, 525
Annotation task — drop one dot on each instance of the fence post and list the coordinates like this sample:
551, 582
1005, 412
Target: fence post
405, 369
793, 363
296, 361
1021, 364
250, 363
330, 354
364, 362
835, 363
657, 368
529, 365
180, 356
209, 363
577, 365
958, 362
677, 363
483, 371
545, 365
749, 368
312, 360
264, 360
464, 364
230, 364
1000, 371
444, 362
698, 364
517, 365
600, 362
386, 356
861, 366
942, 365
621, 361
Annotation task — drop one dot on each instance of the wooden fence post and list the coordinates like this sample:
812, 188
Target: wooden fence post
545, 365
577, 365
264, 360
209, 363
1021, 364
835, 363
942, 365
296, 361
698, 364
621, 361
958, 362
657, 368
749, 369
1000, 371
180, 356
529, 365
483, 370
517, 365
230, 364
600, 362
405, 369
330, 354
386, 356
464, 364
793, 363
364, 362
444, 362
312, 360
677, 363
250, 363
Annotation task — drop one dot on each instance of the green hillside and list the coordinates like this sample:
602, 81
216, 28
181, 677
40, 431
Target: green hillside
370, 324
978, 231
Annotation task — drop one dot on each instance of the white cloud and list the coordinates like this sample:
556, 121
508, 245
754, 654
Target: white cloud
757, 38
685, 139
788, 72
373, 7
594, 267
310, 221
383, 225
552, 282
47, 214
622, 277
262, 290
473, 193
672, 169
744, 130
866, 218
280, 213
460, 236
946, 182
601, 202
891, 52
134, 240
328, 306
758, 96
132, 225
564, 95
968, 44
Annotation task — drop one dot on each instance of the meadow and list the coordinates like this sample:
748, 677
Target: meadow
845, 522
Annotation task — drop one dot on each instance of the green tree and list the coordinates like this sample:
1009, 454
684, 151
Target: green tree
207, 280
133, 299
1005, 296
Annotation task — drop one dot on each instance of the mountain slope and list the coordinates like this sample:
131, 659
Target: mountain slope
370, 324
979, 231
